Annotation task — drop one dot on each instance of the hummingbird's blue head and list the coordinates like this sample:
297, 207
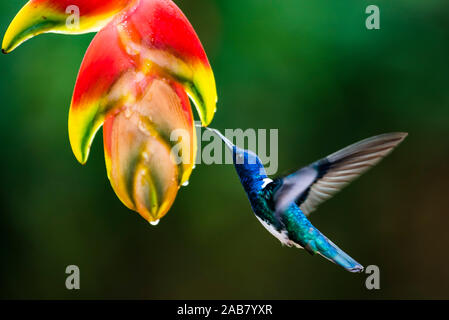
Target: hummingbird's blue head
247, 164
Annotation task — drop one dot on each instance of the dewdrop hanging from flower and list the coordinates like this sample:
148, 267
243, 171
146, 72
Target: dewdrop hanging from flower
135, 80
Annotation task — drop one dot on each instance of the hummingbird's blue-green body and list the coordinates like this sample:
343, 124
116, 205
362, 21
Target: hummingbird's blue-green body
282, 205
292, 228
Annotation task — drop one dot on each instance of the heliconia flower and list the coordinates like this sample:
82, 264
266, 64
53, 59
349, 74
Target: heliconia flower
135, 81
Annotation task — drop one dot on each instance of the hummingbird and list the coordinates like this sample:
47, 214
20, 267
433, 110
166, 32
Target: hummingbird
283, 205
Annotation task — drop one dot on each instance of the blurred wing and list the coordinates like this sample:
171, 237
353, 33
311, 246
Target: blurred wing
335, 172
341, 168
293, 187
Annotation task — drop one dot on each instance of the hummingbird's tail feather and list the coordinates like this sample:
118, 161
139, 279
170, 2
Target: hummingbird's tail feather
341, 258
331, 252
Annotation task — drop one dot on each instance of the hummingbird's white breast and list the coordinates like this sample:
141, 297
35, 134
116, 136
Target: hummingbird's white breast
281, 236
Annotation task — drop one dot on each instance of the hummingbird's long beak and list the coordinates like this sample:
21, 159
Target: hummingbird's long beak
227, 142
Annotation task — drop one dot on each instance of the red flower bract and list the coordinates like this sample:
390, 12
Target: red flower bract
136, 79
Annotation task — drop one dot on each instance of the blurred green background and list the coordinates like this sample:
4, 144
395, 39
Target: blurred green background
310, 69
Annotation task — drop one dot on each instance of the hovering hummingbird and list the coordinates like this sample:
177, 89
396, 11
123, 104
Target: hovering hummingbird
283, 205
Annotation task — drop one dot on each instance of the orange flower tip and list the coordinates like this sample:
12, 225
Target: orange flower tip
82, 159
80, 156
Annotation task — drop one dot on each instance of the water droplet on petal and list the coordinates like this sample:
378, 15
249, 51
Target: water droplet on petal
155, 223
146, 156
185, 184
142, 128
140, 76
128, 113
